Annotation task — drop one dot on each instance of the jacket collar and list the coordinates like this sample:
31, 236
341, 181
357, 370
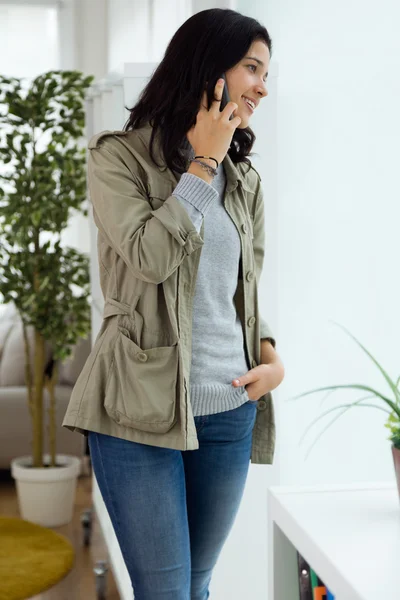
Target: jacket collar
232, 172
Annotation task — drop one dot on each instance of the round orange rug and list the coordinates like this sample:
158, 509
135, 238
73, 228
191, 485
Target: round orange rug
32, 558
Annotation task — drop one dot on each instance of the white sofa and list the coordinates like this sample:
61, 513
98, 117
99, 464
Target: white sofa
15, 421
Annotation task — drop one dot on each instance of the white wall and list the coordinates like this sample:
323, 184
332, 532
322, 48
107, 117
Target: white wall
140, 31
198, 5
338, 215
128, 31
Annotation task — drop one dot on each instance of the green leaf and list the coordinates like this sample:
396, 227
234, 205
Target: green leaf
394, 407
35, 217
355, 386
346, 408
392, 385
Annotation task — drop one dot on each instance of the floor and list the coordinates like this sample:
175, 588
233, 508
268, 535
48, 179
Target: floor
79, 583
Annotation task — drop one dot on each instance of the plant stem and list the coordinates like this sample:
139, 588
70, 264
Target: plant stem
38, 402
28, 369
51, 384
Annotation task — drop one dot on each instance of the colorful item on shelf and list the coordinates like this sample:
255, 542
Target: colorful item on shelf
311, 587
320, 593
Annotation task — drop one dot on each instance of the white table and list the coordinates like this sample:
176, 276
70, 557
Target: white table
349, 534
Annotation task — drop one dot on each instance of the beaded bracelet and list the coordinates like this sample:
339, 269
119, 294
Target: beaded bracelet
206, 167
210, 157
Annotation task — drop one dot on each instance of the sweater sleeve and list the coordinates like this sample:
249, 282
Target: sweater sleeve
196, 196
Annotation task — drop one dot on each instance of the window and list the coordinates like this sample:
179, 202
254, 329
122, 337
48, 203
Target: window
29, 38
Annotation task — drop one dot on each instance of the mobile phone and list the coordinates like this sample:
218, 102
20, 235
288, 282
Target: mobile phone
225, 96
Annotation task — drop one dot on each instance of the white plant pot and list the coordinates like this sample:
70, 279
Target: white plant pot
46, 495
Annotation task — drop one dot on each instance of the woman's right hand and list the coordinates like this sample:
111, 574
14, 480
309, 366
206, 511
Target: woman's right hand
213, 132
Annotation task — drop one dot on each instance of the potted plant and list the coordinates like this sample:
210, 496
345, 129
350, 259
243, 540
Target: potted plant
389, 403
44, 182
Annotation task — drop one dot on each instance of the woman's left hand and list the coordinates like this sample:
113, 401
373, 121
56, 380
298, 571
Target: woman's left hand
261, 379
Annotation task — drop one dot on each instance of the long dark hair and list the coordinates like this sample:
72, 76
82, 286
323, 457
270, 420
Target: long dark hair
205, 46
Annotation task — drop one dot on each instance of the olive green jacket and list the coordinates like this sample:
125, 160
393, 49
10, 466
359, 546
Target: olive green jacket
149, 253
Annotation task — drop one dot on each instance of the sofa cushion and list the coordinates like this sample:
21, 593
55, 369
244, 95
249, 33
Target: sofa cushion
12, 365
8, 311
70, 369
12, 352
16, 425
5, 330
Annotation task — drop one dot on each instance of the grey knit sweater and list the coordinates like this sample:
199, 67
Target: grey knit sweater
218, 354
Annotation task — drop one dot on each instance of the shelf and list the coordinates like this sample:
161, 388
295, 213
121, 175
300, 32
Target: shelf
350, 536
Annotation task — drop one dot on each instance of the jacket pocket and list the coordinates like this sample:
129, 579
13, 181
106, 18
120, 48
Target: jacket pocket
141, 389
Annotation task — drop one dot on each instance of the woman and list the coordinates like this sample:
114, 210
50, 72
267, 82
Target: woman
180, 284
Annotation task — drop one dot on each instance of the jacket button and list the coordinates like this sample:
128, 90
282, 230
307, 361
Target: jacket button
249, 275
251, 321
254, 363
142, 356
261, 405
244, 228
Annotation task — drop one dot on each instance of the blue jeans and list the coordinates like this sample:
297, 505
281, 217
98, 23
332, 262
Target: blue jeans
172, 510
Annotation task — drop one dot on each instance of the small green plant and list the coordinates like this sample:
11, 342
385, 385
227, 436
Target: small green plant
390, 405
43, 184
